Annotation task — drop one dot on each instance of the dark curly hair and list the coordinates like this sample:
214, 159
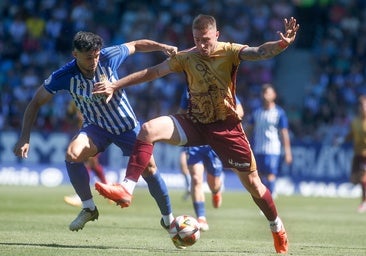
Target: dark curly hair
87, 41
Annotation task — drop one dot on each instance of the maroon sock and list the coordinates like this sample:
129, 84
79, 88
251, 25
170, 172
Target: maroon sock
267, 205
139, 159
99, 172
363, 187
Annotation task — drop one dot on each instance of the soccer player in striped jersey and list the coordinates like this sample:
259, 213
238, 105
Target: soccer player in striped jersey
269, 128
103, 123
210, 67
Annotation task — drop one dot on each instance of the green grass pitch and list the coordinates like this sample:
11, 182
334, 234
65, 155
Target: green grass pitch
34, 222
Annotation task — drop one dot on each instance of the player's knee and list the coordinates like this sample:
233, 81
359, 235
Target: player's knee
255, 187
196, 180
72, 156
146, 130
254, 191
215, 187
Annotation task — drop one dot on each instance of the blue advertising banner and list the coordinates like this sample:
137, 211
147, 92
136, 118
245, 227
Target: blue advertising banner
317, 169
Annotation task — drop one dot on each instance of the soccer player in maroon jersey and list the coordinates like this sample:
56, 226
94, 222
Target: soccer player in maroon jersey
210, 68
357, 135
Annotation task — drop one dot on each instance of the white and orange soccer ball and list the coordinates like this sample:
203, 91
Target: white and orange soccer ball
185, 230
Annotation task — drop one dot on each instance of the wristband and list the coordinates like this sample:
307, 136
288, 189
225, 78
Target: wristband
283, 44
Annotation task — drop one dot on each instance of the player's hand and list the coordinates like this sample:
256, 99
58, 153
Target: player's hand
170, 50
291, 27
288, 158
21, 149
105, 88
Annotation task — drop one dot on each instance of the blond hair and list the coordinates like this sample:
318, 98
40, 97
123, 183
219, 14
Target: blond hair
204, 22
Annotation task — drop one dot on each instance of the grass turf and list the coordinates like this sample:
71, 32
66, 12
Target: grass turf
34, 222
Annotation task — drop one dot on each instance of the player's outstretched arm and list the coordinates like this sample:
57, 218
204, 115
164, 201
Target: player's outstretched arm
107, 88
273, 48
286, 145
146, 45
41, 97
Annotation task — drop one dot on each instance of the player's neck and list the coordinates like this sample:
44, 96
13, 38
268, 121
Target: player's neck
88, 74
269, 105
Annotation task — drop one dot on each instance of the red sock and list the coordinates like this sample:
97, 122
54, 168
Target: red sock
99, 172
139, 159
363, 187
267, 205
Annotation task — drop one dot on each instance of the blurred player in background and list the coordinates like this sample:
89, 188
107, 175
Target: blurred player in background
92, 164
103, 123
185, 172
269, 126
200, 159
210, 68
357, 135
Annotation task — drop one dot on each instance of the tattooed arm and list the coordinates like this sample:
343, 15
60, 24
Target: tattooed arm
272, 48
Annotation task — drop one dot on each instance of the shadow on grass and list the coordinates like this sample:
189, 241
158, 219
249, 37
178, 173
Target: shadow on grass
172, 251
53, 245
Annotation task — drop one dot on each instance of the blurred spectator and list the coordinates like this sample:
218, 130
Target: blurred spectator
35, 36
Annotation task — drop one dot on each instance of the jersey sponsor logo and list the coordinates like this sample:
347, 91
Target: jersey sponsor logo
99, 97
93, 98
237, 164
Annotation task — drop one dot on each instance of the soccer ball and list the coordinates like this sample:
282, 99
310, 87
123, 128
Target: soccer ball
185, 230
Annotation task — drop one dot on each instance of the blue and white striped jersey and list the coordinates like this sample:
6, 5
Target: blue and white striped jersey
117, 116
267, 125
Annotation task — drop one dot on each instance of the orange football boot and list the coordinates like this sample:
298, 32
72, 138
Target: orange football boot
114, 192
216, 199
280, 241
